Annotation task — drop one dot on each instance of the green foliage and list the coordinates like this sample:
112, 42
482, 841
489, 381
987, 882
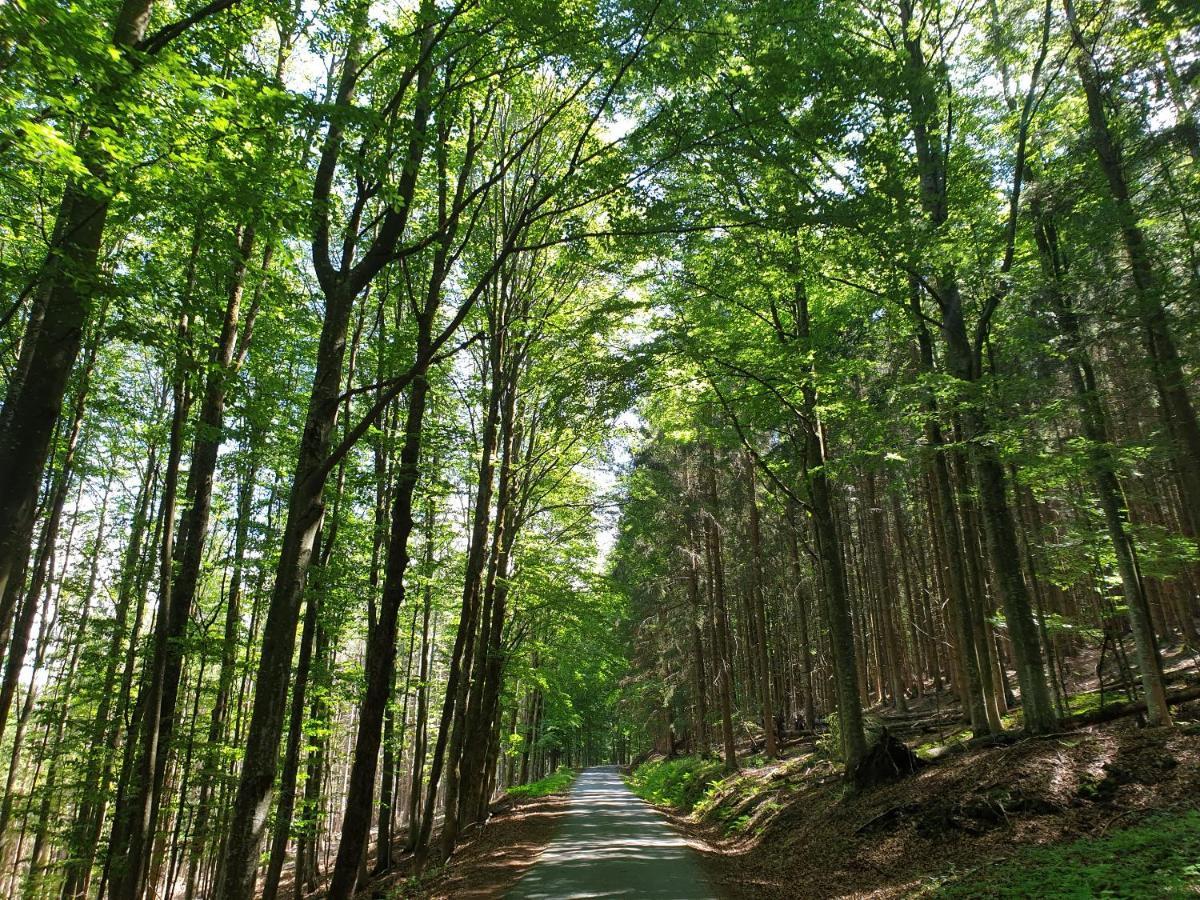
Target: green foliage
733, 802
1158, 858
680, 783
558, 782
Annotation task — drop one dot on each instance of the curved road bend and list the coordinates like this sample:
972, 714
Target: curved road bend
613, 845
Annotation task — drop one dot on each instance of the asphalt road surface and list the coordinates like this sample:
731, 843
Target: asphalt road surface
613, 845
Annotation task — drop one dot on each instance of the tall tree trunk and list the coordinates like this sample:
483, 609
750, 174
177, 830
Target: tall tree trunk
177, 599
40, 855
720, 616
305, 505
962, 364
808, 699
889, 613
381, 648
219, 715
290, 776
758, 611
490, 661
380, 659
1103, 472
422, 715
128, 853
700, 674
1166, 367
66, 283
971, 692
829, 550
45, 636
450, 731
15, 661
306, 867
85, 833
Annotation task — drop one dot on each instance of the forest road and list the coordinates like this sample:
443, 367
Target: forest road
613, 845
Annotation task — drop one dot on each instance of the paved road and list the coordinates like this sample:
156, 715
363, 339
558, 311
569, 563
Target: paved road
613, 845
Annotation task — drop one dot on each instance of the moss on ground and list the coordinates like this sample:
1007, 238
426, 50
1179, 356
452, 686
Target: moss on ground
1158, 858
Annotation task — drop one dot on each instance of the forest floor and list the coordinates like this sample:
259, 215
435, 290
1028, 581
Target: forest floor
488, 861
1120, 802
777, 835
1108, 809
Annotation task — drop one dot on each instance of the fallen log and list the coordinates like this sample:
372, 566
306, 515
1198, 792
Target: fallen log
1121, 710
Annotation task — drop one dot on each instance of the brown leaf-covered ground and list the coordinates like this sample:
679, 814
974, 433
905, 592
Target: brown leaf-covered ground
488, 861
959, 814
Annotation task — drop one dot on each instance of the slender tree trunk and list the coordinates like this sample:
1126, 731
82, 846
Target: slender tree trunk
381, 650
1104, 478
1166, 367
289, 777
85, 834
15, 661
453, 706
45, 629
889, 613
306, 867
806, 661
720, 616
180, 583
128, 854
829, 550
961, 363
700, 674
67, 281
252, 803
473, 807
219, 715
420, 728
39, 856
758, 610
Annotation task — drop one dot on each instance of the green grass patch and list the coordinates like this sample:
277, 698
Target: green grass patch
1159, 858
556, 783
1089, 701
1077, 705
957, 737
680, 783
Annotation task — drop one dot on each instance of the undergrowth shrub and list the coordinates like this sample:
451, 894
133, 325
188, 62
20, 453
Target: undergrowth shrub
680, 783
554, 783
